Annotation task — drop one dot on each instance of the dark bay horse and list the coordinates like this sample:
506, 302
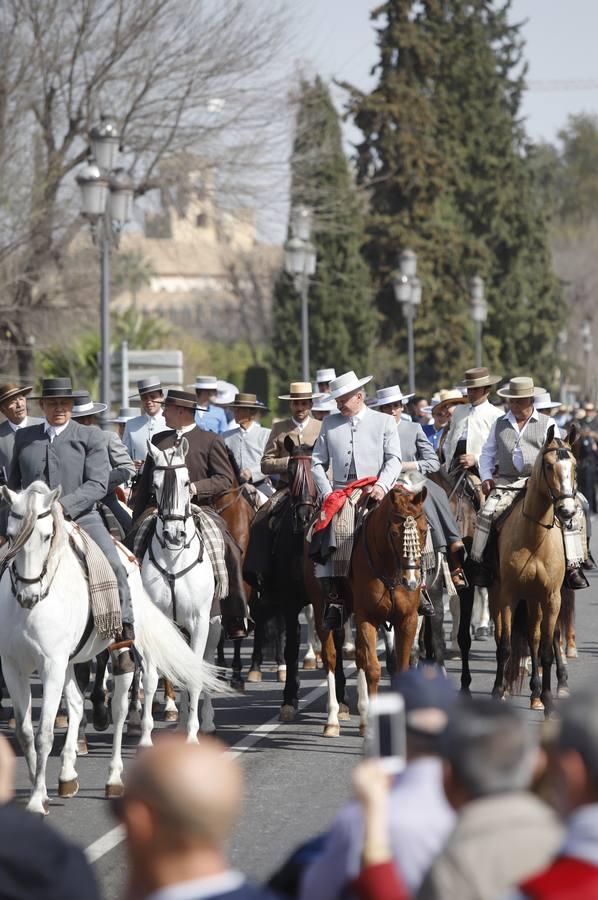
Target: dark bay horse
383, 586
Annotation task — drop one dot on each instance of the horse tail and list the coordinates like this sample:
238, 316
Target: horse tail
519, 647
158, 639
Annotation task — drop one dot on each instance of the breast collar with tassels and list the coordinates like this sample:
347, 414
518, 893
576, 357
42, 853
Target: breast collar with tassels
390, 583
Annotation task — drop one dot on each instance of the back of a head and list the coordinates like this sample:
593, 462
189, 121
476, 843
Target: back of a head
578, 729
195, 791
490, 748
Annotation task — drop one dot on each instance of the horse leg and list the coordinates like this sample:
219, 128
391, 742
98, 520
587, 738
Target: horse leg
150, 686
220, 657
568, 607
280, 644
348, 642
198, 639
339, 674
332, 727
436, 647
99, 696
290, 696
368, 668
254, 676
502, 635
134, 714
388, 638
535, 682
237, 680
404, 629
455, 610
207, 707
309, 660
120, 704
562, 676
82, 676
19, 690
52, 678
171, 713
68, 783
464, 637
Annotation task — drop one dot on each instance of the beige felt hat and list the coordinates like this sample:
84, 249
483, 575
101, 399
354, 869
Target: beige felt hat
299, 390
520, 386
448, 397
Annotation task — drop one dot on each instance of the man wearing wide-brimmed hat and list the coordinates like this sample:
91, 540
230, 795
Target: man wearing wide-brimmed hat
208, 416
13, 405
122, 467
442, 407
65, 454
301, 428
506, 460
210, 474
471, 422
359, 443
143, 428
247, 442
323, 379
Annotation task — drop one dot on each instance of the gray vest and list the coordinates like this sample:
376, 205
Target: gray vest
530, 443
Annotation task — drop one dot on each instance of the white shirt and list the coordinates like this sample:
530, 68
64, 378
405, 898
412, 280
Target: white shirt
300, 425
252, 425
356, 419
489, 453
185, 429
200, 887
22, 424
54, 430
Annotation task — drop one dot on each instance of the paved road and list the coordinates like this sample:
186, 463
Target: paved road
296, 779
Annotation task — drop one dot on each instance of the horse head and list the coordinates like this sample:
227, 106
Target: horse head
408, 528
558, 468
301, 484
172, 490
33, 523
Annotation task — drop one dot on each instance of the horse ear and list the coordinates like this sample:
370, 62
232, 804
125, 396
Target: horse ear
573, 434
420, 496
184, 447
549, 436
289, 444
55, 495
8, 495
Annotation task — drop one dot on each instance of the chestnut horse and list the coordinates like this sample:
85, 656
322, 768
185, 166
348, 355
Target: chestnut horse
383, 586
525, 599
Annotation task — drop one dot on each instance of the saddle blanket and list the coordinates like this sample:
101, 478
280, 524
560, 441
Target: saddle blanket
210, 536
103, 586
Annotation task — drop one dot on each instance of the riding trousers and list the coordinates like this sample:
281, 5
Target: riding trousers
441, 520
91, 523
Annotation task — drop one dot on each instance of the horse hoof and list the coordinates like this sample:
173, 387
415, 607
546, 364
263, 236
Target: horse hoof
282, 676
572, 652
254, 676
114, 790
237, 683
309, 664
134, 729
171, 715
101, 719
452, 653
12, 723
563, 691
68, 788
82, 748
348, 652
287, 713
536, 704
332, 731
343, 712
61, 721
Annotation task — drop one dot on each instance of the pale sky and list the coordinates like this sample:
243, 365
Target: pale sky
339, 42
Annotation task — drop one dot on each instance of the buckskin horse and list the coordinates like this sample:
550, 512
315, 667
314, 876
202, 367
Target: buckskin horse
525, 599
383, 586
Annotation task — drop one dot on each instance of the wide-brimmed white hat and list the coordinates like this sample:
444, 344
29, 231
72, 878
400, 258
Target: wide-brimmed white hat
392, 394
125, 414
447, 397
204, 383
346, 384
323, 376
519, 387
85, 406
545, 401
324, 403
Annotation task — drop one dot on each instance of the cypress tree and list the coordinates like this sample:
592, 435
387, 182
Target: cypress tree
447, 163
341, 316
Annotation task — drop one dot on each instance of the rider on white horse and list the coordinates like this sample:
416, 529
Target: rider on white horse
64, 454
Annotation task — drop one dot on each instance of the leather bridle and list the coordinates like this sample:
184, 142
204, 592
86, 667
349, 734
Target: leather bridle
391, 583
555, 498
172, 517
10, 562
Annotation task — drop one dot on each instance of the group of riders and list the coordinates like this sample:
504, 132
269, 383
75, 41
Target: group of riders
356, 444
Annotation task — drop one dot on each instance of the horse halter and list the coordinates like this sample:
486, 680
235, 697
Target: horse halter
10, 562
172, 517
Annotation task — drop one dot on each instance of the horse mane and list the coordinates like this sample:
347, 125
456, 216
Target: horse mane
303, 482
170, 490
234, 465
29, 514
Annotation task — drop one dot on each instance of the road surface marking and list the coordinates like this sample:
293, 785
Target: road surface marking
116, 836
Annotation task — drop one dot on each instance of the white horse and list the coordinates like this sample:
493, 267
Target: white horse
178, 576
45, 610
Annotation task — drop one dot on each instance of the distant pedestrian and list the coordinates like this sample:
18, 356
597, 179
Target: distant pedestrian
181, 805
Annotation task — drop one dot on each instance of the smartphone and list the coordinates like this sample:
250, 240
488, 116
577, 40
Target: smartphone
385, 735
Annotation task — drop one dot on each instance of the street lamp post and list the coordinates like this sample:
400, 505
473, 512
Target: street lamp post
408, 292
479, 313
588, 346
300, 263
106, 203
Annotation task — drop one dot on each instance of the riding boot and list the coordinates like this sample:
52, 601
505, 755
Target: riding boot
456, 561
426, 607
334, 606
575, 579
589, 563
121, 653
